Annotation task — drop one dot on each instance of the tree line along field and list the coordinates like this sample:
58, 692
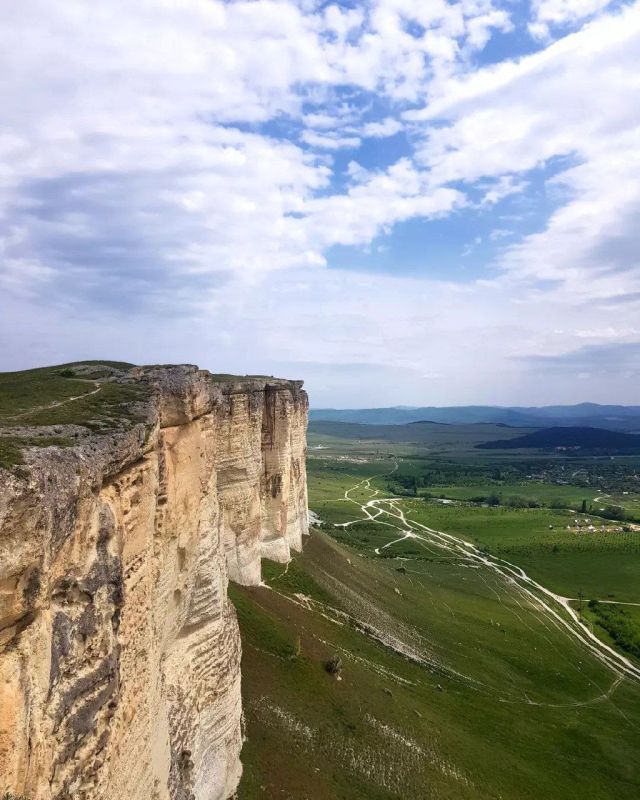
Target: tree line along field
605, 487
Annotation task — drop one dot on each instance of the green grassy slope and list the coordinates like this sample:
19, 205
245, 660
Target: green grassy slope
21, 391
454, 684
55, 396
45, 396
492, 702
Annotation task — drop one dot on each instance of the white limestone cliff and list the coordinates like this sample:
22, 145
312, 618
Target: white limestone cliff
119, 649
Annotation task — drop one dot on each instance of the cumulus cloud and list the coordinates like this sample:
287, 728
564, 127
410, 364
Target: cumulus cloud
382, 129
189, 157
553, 13
127, 149
330, 141
572, 101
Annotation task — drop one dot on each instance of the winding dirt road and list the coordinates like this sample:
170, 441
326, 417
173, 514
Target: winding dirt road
555, 608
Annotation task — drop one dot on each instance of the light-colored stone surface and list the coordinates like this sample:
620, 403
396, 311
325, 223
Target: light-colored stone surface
119, 650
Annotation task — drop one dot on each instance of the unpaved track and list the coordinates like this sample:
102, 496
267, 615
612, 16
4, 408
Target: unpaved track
551, 607
55, 404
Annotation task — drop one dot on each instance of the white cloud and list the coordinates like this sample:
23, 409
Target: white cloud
123, 118
382, 129
592, 243
481, 27
572, 100
330, 141
322, 121
188, 155
375, 203
548, 13
496, 190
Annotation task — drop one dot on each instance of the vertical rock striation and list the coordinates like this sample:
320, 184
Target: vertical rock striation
119, 649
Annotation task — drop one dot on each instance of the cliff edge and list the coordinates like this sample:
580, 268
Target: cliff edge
128, 497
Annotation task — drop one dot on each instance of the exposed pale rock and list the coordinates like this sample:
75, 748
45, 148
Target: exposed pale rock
119, 650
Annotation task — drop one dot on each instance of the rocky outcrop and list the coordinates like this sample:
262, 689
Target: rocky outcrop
119, 649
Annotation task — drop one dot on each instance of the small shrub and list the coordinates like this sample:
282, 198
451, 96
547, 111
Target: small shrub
333, 665
617, 622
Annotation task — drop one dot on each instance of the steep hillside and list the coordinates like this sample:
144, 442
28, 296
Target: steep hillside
449, 688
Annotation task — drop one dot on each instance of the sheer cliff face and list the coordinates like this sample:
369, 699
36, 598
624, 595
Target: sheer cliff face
119, 650
261, 476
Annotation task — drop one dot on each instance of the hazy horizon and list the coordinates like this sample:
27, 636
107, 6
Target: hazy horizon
346, 383
313, 407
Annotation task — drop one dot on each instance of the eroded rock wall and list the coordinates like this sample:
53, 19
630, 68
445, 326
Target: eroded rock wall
119, 649
283, 487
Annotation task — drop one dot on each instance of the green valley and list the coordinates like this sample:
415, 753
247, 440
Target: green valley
470, 662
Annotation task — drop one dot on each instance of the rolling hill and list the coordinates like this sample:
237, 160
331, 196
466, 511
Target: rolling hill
611, 417
583, 438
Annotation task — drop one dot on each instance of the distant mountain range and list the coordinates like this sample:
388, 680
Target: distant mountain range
431, 434
569, 438
611, 417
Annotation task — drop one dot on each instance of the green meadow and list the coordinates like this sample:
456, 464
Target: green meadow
449, 688
452, 682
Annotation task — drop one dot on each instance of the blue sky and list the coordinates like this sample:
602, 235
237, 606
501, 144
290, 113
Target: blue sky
402, 202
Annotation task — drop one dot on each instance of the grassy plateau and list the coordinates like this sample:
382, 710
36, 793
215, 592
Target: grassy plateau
68, 394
